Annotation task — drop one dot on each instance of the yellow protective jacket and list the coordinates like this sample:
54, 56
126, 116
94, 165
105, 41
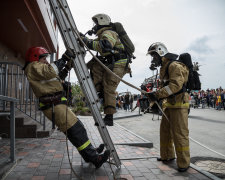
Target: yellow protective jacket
112, 37
175, 79
43, 78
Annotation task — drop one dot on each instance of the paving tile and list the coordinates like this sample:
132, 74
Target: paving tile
54, 169
33, 165
31, 145
65, 171
200, 176
56, 159
13, 176
127, 163
26, 176
41, 172
192, 171
122, 171
172, 172
46, 145
58, 155
164, 168
127, 176
64, 177
102, 178
23, 162
164, 177
136, 173
139, 152
131, 168
179, 178
144, 169
43, 166
100, 172
37, 160
38, 178
19, 168
65, 165
22, 153
140, 178
45, 162
56, 163
51, 176
51, 150
156, 171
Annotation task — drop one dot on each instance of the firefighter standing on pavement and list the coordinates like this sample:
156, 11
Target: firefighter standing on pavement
175, 131
45, 80
112, 55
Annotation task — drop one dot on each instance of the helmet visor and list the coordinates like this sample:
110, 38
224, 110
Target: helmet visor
95, 20
45, 58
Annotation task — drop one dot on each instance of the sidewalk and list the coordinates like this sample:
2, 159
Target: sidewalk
47, 159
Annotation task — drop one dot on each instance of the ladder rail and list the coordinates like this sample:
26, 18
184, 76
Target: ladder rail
70, 38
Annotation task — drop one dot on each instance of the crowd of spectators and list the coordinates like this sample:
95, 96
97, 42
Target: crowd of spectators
210, 98
214, 98
125, 102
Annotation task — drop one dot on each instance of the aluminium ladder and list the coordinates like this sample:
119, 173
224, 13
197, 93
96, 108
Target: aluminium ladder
65, 21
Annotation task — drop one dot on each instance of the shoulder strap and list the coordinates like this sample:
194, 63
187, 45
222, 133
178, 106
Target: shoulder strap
167, 68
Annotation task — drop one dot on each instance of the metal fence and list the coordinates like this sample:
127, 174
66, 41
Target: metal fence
13, 83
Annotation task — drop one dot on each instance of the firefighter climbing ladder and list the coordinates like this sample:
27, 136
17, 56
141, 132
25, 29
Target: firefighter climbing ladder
67, 28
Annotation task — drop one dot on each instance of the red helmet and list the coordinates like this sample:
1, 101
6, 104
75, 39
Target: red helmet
34, 53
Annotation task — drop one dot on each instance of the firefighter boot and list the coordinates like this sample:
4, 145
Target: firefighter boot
100, 148
78, 137
108, 119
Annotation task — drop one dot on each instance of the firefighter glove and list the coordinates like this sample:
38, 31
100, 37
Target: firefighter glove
69, 65
68, 55
151, 96
60, 64
143, 87
81, 34
84, 38
63, 74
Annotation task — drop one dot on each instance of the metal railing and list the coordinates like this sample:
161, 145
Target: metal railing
12, 102
14, 84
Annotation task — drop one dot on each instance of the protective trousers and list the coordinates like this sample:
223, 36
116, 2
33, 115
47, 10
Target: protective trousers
62, 114
108, 83
78, 137
175, 131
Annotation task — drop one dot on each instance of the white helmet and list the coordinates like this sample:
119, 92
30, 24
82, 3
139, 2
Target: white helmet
101, 19
159, 48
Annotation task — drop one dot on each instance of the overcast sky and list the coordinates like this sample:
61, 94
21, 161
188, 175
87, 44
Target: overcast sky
194, 26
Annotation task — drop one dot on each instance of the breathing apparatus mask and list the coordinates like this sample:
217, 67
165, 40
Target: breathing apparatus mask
155, 62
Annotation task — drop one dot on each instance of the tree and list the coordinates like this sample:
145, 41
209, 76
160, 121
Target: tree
80, 106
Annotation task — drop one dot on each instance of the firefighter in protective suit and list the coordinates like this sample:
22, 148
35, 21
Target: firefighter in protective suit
45, 80
113, 55
174, 132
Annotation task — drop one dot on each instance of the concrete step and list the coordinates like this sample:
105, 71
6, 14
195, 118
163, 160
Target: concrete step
26, 131
5, 121
40, 132
25, 126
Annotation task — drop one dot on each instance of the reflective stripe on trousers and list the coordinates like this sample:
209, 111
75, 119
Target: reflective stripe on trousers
84, 145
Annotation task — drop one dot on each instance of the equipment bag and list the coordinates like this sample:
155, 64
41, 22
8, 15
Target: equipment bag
124, 38
193, 82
